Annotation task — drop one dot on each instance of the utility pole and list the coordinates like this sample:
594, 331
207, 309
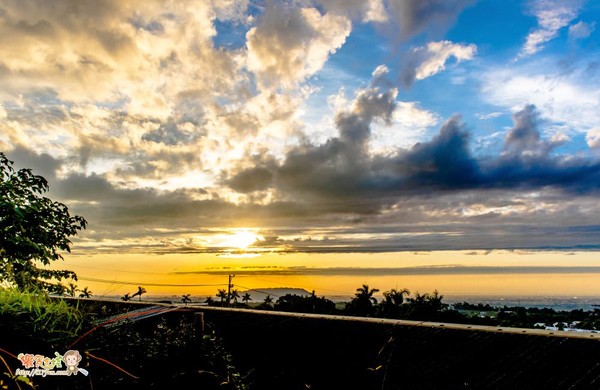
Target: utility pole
229, 287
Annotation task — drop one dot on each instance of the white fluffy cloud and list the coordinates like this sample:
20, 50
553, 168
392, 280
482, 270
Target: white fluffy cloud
552, 15
291, 44
426, 61
110, 50
435, 55
135, 92
564, 99
408, 125
593, 138
581, 30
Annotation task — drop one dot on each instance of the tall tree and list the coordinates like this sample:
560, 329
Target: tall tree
427, 307
305, 304
234, 295
71, 290
266, 304
363, 302
392, 304
34, 230
395, 297
246, 298
141, 290
222, 295
85, 293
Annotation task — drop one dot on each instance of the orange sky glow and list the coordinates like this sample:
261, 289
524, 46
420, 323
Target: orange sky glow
103, 273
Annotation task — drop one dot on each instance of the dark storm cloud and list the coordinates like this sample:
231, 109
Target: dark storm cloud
337, 169
444, 162
252, 179
342, 168
146, 220
435, 195
527, 161
40, 164
337, 197
524, 139
112, 206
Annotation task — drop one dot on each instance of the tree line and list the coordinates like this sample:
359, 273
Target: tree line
394, 304
400, 304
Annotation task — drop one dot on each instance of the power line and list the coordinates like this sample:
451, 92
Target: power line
115, 270
148, 284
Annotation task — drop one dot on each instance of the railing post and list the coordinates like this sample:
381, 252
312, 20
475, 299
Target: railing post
199, 323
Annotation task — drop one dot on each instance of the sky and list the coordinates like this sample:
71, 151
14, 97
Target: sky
334, 134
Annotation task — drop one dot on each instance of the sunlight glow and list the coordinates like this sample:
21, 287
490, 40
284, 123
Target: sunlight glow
241, 239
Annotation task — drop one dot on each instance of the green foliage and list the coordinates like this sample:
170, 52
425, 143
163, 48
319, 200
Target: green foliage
363, 303
234, 296
392, 304
37, 313
222, 295
222, 364
34, 230
305, 304
85, 293
12, 381
246, 298
266, 304
425, 307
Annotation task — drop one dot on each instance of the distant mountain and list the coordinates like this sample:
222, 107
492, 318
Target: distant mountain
259, 294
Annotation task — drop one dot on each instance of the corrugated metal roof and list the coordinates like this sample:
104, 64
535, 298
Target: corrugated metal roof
345, 353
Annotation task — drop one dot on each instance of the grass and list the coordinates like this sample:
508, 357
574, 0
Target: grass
53, 317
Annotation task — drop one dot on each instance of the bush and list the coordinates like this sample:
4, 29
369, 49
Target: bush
44, 314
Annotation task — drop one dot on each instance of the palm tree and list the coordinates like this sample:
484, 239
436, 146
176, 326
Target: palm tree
186, 299
71, 290
209, 301
268, 300
234, 295
222, 294
392, 305
396, 297
85, 293
426, 307
126, 297
363, 302
364, 294
139, 292
246, 297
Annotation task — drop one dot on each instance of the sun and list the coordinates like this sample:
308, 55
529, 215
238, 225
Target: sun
241, 239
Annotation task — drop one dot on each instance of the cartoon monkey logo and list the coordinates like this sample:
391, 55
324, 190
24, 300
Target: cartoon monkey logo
72, 359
